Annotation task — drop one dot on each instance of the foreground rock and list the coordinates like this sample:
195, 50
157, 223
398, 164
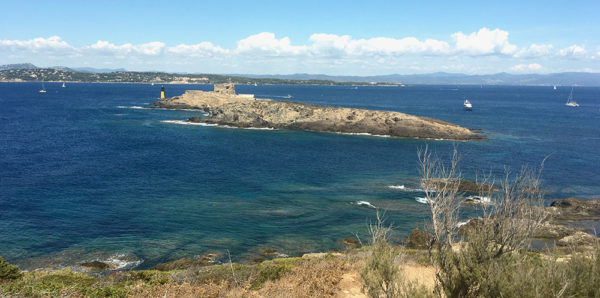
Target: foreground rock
245, 111
573, 209
185, 263
98, 266
462, 185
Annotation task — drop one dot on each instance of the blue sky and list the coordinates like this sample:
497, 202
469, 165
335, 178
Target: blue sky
331, 37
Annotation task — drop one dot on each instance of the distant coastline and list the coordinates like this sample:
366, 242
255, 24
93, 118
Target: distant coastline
27, 72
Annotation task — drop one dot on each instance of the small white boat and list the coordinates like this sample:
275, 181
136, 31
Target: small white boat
467, 105
43, 88
554, 87
570, 102
288, 96
255, 84
63, 85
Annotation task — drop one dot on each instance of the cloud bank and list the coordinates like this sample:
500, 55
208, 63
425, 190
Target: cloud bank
476, 51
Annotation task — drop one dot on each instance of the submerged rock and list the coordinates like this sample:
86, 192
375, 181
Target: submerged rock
185, 263
351, 243
97, 266
270, 253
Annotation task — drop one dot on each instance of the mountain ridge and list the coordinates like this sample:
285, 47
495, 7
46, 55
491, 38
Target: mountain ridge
436, 78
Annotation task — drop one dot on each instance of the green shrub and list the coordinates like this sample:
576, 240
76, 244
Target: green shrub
419, 239
270, 271
9, 271
381, 273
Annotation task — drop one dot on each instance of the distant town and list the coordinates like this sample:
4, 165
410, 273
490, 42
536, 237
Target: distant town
28, 72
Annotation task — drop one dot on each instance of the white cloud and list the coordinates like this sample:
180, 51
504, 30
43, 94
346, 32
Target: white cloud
334, 45
266, 44
106, 48
573, 51
484, 42
535, 51
483, 51
204, 49
53, 45
152, 48
533, 67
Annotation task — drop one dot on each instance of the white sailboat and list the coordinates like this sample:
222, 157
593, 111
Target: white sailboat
570, 102
467, 105
63, 85
554, 87
43, 88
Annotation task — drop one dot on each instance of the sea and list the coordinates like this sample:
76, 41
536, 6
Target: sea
92, 172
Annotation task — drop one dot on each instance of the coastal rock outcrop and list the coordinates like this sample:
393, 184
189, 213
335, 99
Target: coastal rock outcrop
575, 209
245, 111
185, 263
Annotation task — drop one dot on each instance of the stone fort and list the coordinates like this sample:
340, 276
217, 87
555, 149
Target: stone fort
225, 89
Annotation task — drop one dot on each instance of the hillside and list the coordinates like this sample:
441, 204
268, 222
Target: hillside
29, 72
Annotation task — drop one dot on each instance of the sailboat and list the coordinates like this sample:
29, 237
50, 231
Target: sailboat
467, 105
43, 88
63, 85
570, 102
554, 87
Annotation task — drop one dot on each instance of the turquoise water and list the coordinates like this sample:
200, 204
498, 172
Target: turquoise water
86, 172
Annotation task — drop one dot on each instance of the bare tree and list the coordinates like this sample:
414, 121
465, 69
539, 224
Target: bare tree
441, 190
508, 219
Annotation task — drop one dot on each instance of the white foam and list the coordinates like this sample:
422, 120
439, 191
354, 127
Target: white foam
397, 187
122, 262
362, 134
259, 128
130, 107
184, 122
365, 203
404, 188
462, 223
189, 123
479, 199
189, 110
422, 200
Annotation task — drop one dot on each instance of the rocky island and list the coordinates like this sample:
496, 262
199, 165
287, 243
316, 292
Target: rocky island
225, 107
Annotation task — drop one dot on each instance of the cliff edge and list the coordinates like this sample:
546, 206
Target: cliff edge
228, 108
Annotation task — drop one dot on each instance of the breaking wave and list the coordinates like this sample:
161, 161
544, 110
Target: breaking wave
131, 107
422, 200
184, 122
365, 203
363, 134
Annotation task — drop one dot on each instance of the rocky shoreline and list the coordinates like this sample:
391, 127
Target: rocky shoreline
245, 111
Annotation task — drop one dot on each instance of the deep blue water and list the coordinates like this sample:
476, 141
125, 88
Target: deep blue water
83, 173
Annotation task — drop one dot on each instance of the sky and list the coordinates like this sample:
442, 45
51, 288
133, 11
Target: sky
316, 37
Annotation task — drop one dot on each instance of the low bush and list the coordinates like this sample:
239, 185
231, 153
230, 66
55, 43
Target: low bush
9, 271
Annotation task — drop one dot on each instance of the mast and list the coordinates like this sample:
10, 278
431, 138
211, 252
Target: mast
570, 96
